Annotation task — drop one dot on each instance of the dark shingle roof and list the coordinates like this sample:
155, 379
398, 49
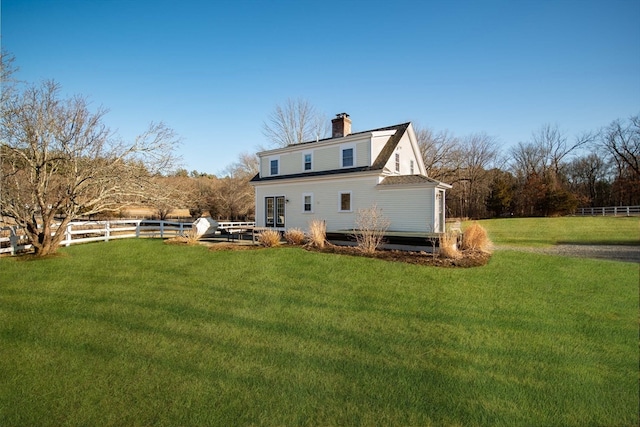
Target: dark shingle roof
355, 133
378, 164
389, 147
408, 179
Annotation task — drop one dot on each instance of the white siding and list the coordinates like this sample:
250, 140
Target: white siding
407, 153
363, 153
409, 209
290, 163
326, 158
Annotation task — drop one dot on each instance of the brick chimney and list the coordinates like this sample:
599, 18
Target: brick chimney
340, 126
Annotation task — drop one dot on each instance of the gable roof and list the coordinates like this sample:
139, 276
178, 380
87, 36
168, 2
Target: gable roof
378, 164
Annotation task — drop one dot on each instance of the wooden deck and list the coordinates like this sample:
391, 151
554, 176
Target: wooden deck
405, 240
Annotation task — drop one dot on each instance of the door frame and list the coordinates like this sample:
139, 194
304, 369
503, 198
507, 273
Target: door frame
274, 208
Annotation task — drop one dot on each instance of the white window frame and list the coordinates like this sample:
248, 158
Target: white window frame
397, 160
350, 193
304, 163
305, 195
342, 150
277, 160
412, 167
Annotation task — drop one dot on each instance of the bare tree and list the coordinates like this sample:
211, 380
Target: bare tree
547, 152
248, 165
440, 153
590, 180
541, 168
60, 161
622, 141
526, 159
479, 153
294, 122
7, 69
232, 199
233, 196
167, 193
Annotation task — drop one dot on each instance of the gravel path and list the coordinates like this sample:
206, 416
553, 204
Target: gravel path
624, 253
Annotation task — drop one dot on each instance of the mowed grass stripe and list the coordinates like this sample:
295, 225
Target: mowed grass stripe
137, 332
569, 230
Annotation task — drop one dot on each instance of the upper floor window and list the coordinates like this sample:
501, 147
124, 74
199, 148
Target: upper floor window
347, 157
398, 162
307, 161
411, 167
273, 167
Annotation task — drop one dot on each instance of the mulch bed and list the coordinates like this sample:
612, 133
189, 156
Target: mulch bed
468, 258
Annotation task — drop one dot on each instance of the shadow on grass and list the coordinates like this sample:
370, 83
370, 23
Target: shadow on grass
601, 242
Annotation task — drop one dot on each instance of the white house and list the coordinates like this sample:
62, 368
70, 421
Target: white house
332, 178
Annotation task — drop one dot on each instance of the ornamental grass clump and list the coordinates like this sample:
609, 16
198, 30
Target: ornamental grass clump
475, 238
269, 238
317, 234
190, 237
294, 236
448, 245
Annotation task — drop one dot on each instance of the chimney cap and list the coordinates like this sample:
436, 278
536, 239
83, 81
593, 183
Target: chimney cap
342, 115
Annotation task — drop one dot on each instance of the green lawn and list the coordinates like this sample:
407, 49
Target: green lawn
576, 230
137, 332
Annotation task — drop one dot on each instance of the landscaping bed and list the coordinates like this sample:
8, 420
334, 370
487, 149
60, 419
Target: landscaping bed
467, 258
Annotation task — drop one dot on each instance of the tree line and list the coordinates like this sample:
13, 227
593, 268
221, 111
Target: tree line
550, 174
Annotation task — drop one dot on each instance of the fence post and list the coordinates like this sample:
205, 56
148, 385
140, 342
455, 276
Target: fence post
138, 229
107, 230
67, 235
13, 239
161, 229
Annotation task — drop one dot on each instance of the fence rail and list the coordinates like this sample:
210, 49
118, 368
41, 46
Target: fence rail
609, 210
14, 240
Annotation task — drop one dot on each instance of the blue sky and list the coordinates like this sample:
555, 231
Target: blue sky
214, 70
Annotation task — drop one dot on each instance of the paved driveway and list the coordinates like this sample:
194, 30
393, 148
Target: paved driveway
624, 253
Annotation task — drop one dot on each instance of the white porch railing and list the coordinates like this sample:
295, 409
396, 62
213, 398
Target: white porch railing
235, 226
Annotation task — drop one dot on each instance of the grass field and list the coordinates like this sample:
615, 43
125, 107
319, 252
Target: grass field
575, 230
137, 332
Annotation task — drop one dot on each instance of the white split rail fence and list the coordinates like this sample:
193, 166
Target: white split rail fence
14, 240
609, 210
